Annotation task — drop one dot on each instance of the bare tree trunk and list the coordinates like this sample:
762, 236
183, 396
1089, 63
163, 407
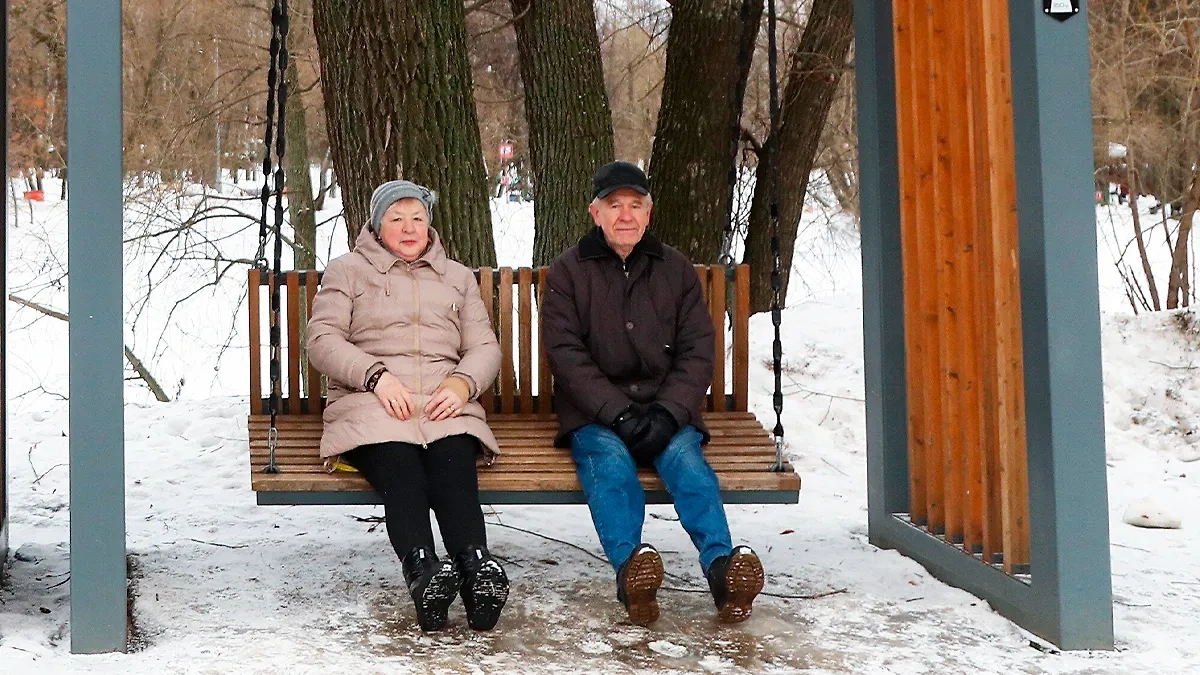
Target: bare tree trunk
298, 181
1177, 285
1134, 190
560, 62
813, 78
398, 101
692, 167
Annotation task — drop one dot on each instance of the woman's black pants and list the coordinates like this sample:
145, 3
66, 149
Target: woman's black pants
411, 480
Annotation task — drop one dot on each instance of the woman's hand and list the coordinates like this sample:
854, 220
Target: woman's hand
448, 401
394, 396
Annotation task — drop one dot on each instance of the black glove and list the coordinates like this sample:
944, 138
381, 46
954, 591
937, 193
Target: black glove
661, 428
631, 425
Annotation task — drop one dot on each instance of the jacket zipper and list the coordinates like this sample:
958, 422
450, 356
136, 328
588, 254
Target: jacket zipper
416, 415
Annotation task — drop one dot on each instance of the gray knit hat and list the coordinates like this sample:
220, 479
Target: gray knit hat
393, 191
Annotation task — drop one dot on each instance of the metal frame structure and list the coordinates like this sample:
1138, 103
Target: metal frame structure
1067, 597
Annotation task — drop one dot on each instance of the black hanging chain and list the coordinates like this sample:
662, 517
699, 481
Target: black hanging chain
276, 114
776, 276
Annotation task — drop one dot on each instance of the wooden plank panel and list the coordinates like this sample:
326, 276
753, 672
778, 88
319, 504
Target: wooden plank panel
545, 379
915, 347
1014, 497
741, 338
254, 310
488, 297
315, 403
525, 335
507, 385
929, 317
716, 307
293, 351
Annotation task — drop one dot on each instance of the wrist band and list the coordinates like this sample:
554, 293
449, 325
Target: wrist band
374, 379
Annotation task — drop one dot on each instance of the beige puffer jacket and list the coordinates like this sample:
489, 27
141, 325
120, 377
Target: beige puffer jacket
423, 320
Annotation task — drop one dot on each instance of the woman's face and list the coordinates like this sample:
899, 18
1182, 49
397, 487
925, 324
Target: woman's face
404, 229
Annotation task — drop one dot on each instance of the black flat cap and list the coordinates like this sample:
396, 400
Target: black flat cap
616, 175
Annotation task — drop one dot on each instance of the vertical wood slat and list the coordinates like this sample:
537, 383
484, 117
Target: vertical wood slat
930, 317
293, 352
486, 398
255, 282
975, 337
1013, 467
314, 376
545, 380
949, 300
506, 337
525, 336
716, 306
741, 339
702, 275
913, 266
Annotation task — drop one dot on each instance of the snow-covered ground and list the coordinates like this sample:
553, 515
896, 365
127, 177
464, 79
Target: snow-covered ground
222, 585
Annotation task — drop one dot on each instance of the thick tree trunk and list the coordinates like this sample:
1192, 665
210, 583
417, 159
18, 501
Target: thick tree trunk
710, 46
814, 73
1178, 287
354, 44
566, 107
299, 184
398, 103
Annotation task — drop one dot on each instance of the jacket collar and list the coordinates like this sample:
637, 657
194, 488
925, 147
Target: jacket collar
369, 247
593, 245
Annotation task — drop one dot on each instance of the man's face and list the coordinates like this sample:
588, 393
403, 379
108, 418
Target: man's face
623, 215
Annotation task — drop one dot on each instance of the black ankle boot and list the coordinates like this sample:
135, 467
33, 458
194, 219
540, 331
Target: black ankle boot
484, 587
432, 583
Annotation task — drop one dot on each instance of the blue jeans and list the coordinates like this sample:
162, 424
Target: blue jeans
618, 502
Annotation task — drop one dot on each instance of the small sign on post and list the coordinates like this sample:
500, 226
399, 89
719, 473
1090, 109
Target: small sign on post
1060, 9
506, 150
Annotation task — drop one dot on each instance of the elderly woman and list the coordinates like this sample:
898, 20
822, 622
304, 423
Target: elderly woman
404, 337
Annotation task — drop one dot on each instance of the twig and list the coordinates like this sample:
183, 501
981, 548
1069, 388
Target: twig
60, 583
1131, 547
217, 543
574, 546
786, 596
1167, 365
835, 468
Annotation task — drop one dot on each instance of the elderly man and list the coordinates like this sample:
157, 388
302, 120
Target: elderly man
630, 343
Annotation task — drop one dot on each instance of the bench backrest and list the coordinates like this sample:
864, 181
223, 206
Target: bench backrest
513, 298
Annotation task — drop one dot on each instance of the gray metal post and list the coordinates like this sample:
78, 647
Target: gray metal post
883, 277
97, 443
1064, 406
4, 325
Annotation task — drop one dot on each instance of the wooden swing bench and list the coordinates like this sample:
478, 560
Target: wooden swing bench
530, 469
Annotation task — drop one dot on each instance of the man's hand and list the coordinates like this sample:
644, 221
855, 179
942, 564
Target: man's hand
631, 425
661, 427
394, 396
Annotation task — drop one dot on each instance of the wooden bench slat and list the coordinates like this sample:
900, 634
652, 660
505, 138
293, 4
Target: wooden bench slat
488, 296
514, 481
293, 338
255, 312
545, 379
314, 403
741, 339
507, 376
525, 336
716, 307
